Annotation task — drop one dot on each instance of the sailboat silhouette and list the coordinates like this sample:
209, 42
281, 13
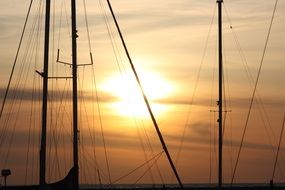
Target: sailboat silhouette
71, 181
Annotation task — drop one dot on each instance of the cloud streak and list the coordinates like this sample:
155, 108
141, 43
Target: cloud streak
35, 95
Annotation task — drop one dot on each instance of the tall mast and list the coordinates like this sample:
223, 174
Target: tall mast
74, 86
220, 102
44, 74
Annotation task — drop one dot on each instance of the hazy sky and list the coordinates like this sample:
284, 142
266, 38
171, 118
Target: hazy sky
169, 41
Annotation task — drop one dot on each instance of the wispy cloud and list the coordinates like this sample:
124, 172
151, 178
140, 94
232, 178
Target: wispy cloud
35, 95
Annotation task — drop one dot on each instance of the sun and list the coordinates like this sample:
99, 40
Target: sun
130, 100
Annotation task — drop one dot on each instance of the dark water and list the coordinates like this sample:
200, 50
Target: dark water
187, 186
166, 187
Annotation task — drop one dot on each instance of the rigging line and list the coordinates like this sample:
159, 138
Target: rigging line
67, 18
195, 87
230, 108
149, 146
33, 146
227, 109
82, 155
56, 141
278, 149
91, 134
55, 163
98, 106
122, 68
87, 26
52, 94
112, 39
140, 166
56, 125
53, 97
224, 90
95, 164
14, 95
115, 48
152, 153
83, 108
82, 159
215, 161
119, 61
225, 137
87, 168
148, 169
231, 142
144, 97
229, 103
215, 156
32, 112
260, 104
254, 90
15, 60
212, 125
62, 95
27, 59
31, 115
60, 23
143, 147
65, 104
101, 126
259, 101
31, 130
14, 124
37, 98
210, 152
37, 137
79, 139
29, 136
114, 45
63, 9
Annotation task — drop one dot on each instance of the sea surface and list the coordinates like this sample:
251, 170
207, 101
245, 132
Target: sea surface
261, 186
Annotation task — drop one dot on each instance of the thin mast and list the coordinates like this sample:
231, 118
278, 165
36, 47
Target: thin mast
146, 100
220, 102
45, 96
74, 86
278, 149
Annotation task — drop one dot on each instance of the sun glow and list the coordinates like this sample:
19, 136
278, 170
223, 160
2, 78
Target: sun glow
130, 101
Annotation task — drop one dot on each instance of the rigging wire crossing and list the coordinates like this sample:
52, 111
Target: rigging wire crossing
16, 58
145, 98
254, 90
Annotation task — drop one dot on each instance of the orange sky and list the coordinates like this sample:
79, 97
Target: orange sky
166, 40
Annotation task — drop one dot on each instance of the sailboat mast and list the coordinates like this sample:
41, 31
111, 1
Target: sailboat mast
220, 102
74, 90
146, 100
44, 74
